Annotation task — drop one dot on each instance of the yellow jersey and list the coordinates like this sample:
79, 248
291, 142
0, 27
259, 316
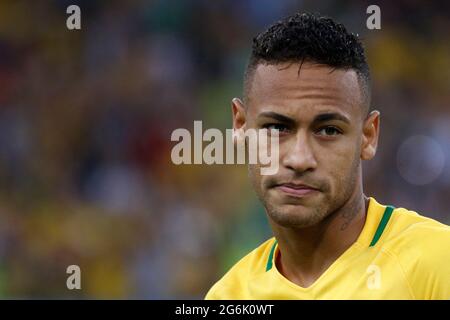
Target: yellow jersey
398, 255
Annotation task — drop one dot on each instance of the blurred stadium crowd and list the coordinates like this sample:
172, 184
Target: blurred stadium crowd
85, 124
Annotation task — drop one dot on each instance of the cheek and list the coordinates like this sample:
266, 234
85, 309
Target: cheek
339, 164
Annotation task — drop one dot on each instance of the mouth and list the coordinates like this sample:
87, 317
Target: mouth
296, 190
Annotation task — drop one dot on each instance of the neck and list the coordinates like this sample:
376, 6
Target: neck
306, 253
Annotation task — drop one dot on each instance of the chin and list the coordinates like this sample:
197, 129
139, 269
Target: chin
295, 216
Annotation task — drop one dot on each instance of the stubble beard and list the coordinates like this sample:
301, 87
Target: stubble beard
303, 216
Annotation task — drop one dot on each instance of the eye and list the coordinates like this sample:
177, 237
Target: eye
276, 126
329, 131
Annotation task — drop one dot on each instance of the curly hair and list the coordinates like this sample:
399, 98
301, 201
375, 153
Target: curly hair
314, 38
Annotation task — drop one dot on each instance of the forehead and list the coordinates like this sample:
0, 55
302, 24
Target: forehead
311, 88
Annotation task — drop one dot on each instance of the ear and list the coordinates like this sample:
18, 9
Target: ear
239, 116
370, 132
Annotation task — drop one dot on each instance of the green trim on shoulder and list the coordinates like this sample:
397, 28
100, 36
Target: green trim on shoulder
269, 261
384, 221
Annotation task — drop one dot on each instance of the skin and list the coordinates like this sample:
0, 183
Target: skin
323, 152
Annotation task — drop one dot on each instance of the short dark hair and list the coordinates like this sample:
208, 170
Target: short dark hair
314, 38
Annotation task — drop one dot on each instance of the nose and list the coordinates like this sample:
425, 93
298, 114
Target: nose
299, 156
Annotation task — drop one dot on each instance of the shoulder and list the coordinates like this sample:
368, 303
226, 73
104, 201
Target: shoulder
232, 284
412, 229
421, 247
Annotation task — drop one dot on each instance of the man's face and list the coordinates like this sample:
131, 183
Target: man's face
318, 113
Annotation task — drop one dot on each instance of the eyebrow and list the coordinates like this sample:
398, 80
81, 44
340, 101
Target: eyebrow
323, 117
276, 116
331, 116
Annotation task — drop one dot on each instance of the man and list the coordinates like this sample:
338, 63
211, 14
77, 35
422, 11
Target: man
308, 78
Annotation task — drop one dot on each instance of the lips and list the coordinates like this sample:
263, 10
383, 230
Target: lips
296, 190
